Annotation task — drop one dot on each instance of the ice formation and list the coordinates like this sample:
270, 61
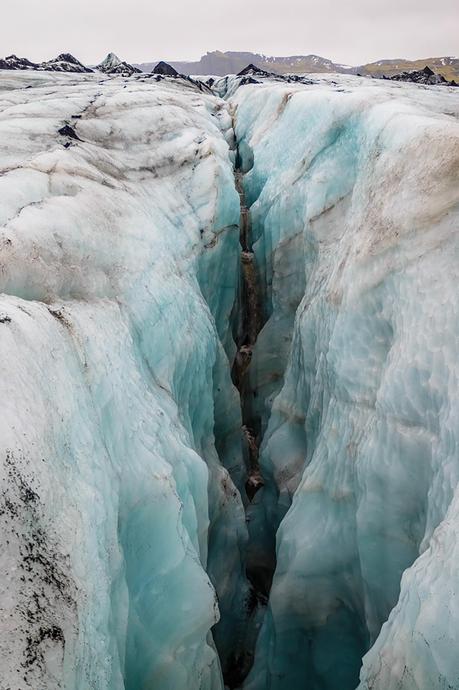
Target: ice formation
119, 261
132, 557
355, 205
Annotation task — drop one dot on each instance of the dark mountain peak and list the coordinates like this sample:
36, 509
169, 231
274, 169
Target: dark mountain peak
253, 69
165, 69
113, 65
422, 76
65, 62
67, 57
15, 62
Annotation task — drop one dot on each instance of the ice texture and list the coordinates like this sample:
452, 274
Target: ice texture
119, 263
355, 208
124, 522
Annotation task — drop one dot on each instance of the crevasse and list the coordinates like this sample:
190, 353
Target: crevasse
140, 529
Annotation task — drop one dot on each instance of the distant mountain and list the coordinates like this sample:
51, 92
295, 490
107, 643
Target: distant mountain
113, 65
221, 63
65, 62
165, 69
231, 62
15, 62
448, 67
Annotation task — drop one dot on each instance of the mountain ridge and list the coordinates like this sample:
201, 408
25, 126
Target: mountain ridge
220, 63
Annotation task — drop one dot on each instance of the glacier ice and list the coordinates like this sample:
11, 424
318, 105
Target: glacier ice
119, 269
355, 203
132, 557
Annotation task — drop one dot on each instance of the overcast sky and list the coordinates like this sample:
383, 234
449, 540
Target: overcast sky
351, 31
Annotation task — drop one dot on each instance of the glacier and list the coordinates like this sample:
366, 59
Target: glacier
153, 233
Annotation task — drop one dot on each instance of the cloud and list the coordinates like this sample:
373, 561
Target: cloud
354, 32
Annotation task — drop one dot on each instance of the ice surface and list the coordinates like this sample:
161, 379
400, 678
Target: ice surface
124, 536
119, 259
355, 199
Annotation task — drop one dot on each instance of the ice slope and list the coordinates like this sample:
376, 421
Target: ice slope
119, 264
355, 211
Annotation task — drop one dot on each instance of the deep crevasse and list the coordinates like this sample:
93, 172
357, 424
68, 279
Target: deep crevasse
120, 263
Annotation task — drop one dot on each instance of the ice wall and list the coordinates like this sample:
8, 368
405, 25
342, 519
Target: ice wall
355, 198
124, 536
119, 263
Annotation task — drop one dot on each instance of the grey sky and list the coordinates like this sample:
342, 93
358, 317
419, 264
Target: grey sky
353, 32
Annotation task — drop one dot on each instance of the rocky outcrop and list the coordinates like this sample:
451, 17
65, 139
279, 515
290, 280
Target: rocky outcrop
113, 65
253, 69
422, 76
15, 62
165, 69
249, 80
65, 62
